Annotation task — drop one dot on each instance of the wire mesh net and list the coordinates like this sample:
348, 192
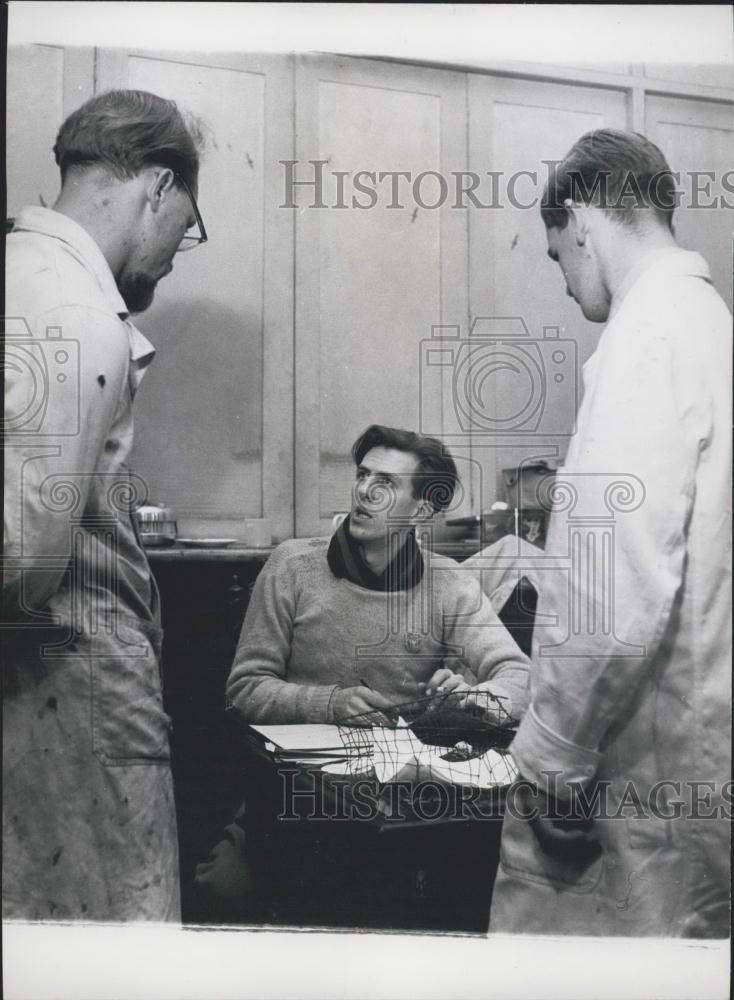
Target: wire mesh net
457, 737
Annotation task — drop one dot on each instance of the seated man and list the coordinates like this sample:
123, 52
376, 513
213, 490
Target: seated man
366, 620
359, 623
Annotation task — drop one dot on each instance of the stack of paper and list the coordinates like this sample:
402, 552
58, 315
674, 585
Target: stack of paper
390, 752
308, 737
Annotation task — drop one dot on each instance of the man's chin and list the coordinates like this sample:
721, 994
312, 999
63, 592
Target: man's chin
359, 528
138, 292
594, 311
595, 315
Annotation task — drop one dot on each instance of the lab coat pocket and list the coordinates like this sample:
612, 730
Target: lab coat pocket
129, 725
522, 856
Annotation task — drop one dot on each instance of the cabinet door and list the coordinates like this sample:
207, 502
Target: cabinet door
697, 137
213, 415
371, 282
45, 83
525, 379
721, 76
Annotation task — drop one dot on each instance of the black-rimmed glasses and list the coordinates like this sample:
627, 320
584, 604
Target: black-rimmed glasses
188, 242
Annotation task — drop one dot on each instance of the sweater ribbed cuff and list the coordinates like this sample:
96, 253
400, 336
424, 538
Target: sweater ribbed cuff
330, 705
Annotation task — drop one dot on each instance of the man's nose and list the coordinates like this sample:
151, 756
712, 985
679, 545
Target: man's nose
363, 488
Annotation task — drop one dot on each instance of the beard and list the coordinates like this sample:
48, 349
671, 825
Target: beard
137, 290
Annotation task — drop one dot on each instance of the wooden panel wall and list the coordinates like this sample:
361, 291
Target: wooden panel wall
371, 283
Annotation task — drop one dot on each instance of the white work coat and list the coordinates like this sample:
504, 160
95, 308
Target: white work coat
630, 689
89, 828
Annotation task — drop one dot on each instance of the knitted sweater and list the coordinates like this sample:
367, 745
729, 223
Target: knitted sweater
307, 632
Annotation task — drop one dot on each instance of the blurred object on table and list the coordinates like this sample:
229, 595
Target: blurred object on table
156, 525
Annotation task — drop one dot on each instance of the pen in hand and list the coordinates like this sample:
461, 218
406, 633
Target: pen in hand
390, 715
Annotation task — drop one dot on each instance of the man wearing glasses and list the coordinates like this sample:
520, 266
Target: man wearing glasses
89, 825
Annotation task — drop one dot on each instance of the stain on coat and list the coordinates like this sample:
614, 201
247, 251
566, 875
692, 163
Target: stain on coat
102, 380
51, 704
56, 856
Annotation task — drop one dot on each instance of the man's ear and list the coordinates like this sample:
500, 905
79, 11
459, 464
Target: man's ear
424, 512
159, 186
578, 219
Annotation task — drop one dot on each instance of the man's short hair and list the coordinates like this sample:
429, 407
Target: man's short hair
127, 130
435, 477
623, 173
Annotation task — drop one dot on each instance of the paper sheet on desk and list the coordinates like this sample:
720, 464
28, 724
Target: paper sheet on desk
306, 744
316, 736
392, 750
491, 770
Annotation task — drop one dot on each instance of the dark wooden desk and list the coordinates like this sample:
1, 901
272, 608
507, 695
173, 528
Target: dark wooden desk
340, 852
204, 596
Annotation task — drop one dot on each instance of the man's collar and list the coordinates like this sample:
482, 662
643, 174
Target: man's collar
34, 218
142, 351
345, 559
672, 260
46, 221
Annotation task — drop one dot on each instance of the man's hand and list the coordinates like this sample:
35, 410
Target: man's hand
560, 833
497, 707
351, 701
445, 681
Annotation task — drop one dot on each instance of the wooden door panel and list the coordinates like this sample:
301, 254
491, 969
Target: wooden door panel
371, 282
530, 389
213, 418
697, 137
45, 83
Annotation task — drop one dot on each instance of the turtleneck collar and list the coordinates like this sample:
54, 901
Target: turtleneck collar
403, 572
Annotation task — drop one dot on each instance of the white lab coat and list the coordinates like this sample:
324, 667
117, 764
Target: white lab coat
646, 700
89, 825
